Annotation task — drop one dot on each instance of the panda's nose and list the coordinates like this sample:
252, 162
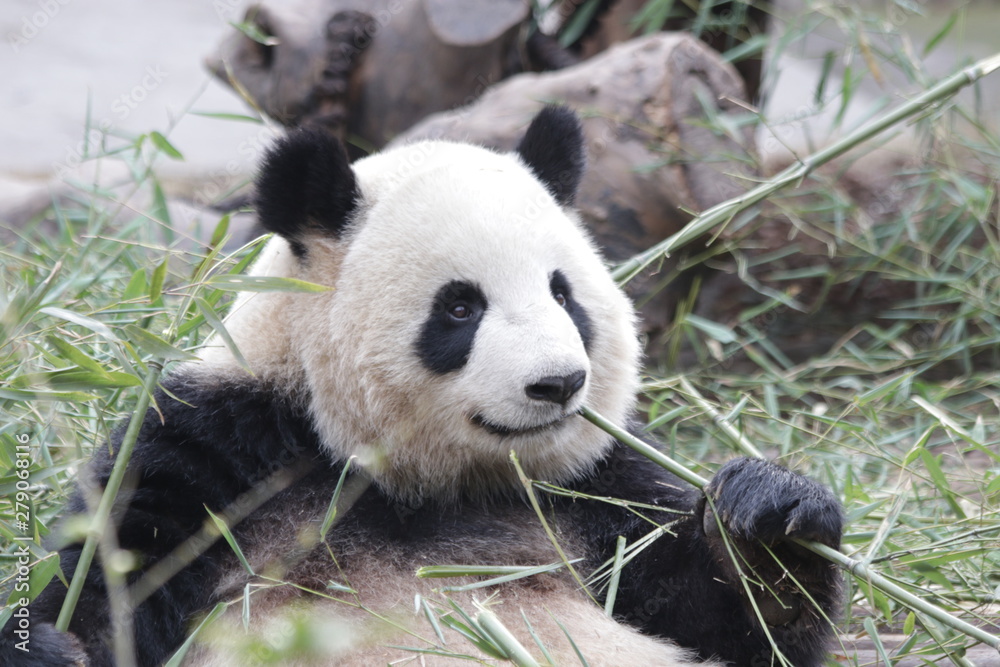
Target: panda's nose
556, 389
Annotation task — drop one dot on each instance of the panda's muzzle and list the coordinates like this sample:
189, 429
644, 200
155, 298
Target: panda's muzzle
556, 389
506, 431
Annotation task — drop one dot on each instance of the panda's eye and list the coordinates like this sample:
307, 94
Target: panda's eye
560, 299
460, 311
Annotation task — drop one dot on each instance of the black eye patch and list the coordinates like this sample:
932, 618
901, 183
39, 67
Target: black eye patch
563, 294
449, 331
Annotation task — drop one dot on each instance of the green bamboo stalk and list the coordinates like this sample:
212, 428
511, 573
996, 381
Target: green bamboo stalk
99, 523
742, 442
502, 636
867, 575
794, 174
854, 567
651, 453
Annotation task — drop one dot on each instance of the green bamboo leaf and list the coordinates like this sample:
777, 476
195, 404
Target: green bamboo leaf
40, 573
942, 33
331, 511
228, 116
752, 47
156, 346
576, 649
99, 328
136, 286
75, 379
941, 481
883, 390
829, 58
476, 636
512, 574
178, 657
156, 283
159, 209
219, 327
165, 146
578, 23
221, 229
876, 640
253, 31
45, 395
228, 535
908, 625
713, 330
246, 608
230, 283
74, 354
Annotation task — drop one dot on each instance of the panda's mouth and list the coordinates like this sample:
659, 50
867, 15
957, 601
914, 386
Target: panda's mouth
508, 431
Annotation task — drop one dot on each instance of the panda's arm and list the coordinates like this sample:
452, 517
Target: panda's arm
212, 447
684, 585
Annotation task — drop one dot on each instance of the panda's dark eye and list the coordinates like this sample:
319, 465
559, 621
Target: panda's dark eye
560, 299
449, 331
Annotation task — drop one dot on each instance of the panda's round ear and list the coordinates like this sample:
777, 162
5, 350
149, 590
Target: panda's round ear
553, 149
306, 187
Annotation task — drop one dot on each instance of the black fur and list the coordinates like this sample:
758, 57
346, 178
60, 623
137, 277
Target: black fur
553, 149
231, 437
306, 185
446, 341
558, 284
208, 453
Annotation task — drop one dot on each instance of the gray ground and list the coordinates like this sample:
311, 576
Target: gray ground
138, 66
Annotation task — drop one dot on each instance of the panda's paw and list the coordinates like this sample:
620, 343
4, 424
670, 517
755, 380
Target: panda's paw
45, 647
759, 500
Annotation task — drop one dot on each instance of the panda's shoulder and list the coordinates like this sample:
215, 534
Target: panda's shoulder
217, 422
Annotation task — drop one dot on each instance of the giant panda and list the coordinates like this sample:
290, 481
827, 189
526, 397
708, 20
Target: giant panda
469, 319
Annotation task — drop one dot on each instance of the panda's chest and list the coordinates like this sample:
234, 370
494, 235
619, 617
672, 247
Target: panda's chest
372, 535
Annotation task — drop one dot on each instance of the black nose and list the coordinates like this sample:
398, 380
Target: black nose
556, 389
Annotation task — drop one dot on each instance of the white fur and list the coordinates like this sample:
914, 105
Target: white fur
435, 212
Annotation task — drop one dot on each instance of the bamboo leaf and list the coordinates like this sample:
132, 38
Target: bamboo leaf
219, 327
156, 283
156, 346
232, 283
242, 118
165, 146
331, 511
937, 37
227, 534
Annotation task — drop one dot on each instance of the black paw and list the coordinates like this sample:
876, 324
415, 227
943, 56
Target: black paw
45, 647
759, 500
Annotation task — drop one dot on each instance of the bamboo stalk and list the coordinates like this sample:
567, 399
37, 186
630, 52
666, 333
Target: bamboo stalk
854, 567
867, 575
99, 522
794, 174
502, 636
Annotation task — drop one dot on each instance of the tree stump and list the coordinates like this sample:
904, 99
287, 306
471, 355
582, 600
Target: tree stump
367, 71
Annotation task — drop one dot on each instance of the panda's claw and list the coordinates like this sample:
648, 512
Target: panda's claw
758, 500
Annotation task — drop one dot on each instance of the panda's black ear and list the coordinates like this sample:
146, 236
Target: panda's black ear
306, 186
553, 149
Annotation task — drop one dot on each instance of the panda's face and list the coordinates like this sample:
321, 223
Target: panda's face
471, 317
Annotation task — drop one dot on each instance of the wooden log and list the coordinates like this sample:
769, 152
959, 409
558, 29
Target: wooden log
653, 160
368, 70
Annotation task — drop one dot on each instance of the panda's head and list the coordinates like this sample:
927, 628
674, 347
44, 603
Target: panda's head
470, 313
